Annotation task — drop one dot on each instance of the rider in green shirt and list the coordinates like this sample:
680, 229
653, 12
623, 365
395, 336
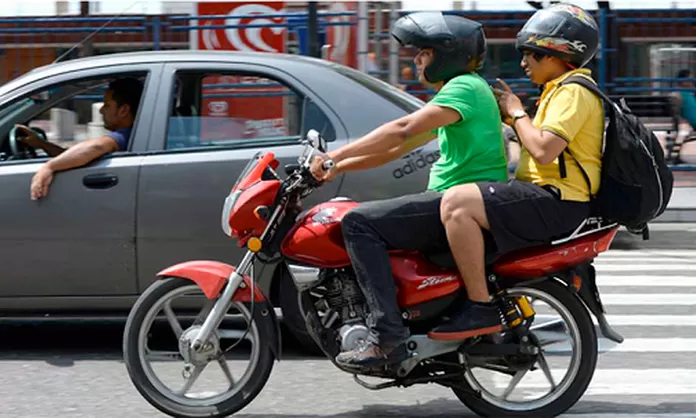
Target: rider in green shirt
465, 116
471, 149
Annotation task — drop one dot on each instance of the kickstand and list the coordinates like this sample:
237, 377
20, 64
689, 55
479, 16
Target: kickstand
374, 387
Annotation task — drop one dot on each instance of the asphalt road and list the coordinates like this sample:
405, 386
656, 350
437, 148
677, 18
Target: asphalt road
75, 370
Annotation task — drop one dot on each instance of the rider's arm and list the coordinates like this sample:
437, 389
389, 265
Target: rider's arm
565, 116
367, 162
394, 134
543, 146
83, 153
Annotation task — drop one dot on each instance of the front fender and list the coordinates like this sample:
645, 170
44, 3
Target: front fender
211, 277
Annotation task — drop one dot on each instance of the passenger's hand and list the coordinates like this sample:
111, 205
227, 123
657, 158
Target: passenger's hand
507, 101
318, 171
40, 183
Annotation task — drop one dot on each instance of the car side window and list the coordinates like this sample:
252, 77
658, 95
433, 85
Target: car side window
238, 110
63, 114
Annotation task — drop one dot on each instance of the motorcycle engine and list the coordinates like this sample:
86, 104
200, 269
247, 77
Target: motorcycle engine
344, 297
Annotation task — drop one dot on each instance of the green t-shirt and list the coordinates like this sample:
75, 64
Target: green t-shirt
472, 149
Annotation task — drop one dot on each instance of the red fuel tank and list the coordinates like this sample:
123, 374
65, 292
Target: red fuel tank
316, 239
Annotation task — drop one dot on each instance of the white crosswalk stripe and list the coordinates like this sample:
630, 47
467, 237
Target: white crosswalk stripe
650, 298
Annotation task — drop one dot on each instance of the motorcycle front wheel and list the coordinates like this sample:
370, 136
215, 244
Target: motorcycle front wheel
143, 360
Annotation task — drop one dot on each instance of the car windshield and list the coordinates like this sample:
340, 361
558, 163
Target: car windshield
16, 107
397, 96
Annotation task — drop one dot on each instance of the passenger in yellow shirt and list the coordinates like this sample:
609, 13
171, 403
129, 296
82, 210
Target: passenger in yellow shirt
542, 202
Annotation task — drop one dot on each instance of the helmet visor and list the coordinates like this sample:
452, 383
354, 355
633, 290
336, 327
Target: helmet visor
544, 22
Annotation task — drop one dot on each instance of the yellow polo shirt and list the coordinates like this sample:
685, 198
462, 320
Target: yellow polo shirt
576, 115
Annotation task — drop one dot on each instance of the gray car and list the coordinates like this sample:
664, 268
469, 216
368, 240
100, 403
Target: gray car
97, 240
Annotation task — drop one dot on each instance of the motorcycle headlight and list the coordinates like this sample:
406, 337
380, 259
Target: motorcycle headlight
227, 209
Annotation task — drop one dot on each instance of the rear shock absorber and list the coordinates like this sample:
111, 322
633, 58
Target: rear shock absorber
525, 308
509, 310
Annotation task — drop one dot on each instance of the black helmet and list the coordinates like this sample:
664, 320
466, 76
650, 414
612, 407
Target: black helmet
459, 43
563, 31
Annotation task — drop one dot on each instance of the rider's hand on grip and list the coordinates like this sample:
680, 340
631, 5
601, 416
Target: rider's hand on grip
322, 168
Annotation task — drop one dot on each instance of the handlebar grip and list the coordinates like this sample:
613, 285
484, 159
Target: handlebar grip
328, 165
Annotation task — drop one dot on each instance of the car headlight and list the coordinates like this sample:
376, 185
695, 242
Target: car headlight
227, 209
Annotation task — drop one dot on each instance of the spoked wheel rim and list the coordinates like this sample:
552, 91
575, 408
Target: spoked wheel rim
558, 388
163, 304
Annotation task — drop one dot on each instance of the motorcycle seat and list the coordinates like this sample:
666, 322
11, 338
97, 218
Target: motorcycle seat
589, 226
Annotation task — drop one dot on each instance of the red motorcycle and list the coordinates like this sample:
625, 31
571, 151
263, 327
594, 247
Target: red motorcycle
264, 213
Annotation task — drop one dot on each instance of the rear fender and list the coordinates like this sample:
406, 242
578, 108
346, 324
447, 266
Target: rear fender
580, 280
589, 294
211, 277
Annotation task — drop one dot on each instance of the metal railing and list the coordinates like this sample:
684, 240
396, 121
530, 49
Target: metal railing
49, 37
608, 21
29, 42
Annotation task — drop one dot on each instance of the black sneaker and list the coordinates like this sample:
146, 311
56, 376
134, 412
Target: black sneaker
474, 320
368, 354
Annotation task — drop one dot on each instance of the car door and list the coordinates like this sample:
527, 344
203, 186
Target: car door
80, 239
202, 139
380, 103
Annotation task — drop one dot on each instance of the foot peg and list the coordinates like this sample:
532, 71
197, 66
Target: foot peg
370, 386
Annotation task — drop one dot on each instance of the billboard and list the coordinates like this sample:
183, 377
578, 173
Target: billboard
251, 107
343, 39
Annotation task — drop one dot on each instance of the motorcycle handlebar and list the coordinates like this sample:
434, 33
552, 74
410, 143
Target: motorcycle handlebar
312, 144
328, 165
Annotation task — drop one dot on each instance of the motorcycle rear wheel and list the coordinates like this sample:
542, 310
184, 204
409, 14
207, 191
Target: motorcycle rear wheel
488, 405
251, 387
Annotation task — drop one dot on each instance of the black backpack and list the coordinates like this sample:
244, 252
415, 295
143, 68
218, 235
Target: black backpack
636, 184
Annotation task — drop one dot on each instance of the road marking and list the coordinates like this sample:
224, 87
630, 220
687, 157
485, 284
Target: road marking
629, 345
645, 259
612, 382
606, 280
642, 299
612, 415
652, 320
648, 253
642, 267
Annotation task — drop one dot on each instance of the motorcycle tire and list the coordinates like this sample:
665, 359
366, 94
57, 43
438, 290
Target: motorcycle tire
135, 369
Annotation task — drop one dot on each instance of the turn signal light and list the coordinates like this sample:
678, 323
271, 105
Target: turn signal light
254, 245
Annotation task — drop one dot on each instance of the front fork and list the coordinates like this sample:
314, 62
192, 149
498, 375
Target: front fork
224, 302
236, 279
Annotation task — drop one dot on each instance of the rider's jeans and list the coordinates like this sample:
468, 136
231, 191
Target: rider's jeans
405, 223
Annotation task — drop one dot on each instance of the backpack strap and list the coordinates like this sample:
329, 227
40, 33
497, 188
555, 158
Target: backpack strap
561, 166
583, 81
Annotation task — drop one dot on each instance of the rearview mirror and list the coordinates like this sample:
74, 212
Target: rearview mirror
316, 140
